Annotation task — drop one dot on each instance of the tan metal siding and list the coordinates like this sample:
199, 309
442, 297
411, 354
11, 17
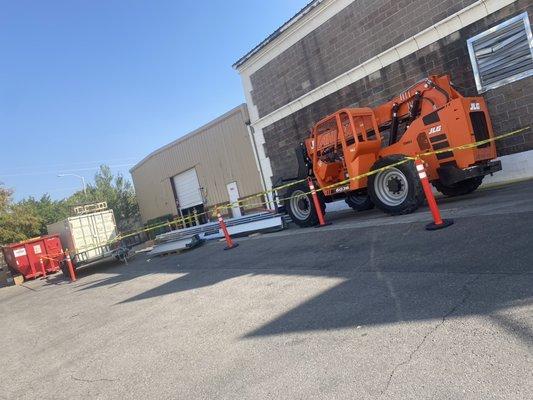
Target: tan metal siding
221, 152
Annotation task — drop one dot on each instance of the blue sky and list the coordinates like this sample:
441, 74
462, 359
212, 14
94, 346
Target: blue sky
104, 81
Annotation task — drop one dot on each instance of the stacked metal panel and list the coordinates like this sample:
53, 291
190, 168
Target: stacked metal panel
245, 224
178, 245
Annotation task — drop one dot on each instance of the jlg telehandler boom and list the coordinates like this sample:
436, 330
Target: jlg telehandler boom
430, 115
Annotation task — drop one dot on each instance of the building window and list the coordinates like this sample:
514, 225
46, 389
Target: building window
502, 54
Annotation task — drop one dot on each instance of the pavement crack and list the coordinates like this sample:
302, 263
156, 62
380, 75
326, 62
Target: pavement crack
29, 288
92, 380
450, 312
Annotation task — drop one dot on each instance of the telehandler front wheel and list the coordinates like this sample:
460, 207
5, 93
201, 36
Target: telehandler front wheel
396, 190
300, 206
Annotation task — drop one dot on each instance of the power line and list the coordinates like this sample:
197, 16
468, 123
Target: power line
63, 171
99, 162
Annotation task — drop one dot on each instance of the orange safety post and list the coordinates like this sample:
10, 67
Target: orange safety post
316, 202
70, 267
438, 223
230, 244
43, 269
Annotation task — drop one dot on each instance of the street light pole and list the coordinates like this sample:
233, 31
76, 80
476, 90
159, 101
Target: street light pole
77, 176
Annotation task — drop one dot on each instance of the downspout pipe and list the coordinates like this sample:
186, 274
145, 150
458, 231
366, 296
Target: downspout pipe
257, 161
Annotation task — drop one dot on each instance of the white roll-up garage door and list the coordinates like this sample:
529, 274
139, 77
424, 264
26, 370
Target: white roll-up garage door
188, 189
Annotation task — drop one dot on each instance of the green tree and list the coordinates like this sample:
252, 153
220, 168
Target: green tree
116, 191
17, 221
48, 210
5, 196
30, 217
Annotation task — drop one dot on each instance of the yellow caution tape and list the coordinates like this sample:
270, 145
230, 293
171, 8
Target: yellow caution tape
475, 144
408, 158
240, 203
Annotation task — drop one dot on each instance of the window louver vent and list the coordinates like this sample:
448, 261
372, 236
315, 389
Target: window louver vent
502, 54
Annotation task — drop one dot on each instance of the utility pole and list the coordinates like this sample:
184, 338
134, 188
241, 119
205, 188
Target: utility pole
82, 181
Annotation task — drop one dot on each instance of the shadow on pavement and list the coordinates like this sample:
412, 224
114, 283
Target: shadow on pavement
189, 281
374, 299
397, 273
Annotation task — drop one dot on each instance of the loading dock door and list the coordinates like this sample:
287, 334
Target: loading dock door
188, 189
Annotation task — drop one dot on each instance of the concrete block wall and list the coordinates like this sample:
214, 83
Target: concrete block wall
359, 32
511, 106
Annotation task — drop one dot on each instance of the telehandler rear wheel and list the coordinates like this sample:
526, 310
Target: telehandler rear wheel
396, 190
299, 204
359, 202
459, 188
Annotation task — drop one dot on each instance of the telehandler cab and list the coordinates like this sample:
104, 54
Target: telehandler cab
429, 116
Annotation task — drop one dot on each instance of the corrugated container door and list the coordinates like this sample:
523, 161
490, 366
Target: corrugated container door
83, 236
91, 233
105, 226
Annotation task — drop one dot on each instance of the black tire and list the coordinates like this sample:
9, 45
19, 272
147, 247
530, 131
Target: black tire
397, 190
300, 206
459, 188
359, 201
64, 268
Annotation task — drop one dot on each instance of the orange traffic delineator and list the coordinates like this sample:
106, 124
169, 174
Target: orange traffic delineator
316, 202
43, 269
229, 242
438, 223
70, 268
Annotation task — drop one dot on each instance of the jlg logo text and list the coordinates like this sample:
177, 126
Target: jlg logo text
435, 129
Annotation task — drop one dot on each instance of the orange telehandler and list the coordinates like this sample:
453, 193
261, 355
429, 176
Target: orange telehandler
431, 115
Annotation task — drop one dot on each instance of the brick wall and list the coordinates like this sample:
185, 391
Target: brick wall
511, 106
360, 31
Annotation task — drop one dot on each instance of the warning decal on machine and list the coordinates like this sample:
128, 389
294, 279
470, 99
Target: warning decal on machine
37, 249
19, 252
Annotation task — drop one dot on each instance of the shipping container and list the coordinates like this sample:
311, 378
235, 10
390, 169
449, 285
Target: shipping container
25, 257
87, 236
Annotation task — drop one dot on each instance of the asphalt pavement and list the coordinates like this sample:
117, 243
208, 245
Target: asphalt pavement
370, 307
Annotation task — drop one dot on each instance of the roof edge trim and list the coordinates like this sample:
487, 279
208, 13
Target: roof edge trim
294, 19
242, 108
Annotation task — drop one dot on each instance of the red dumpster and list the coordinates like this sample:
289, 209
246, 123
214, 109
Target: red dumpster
54, 252
25, 257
